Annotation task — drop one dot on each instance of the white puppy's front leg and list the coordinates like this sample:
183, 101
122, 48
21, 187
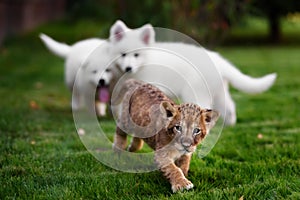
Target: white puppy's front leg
75, 102
226, 106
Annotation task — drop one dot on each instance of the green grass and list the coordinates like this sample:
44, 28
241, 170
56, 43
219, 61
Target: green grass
42, 157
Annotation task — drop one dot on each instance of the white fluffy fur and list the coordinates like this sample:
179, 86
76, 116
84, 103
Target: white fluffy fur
86, 60
191, 73
75, 56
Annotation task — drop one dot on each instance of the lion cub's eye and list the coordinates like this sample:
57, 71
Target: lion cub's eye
178, 128
196, 131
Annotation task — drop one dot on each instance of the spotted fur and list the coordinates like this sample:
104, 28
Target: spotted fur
173, 131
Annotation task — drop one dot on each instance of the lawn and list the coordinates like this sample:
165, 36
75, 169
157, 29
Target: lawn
42, 156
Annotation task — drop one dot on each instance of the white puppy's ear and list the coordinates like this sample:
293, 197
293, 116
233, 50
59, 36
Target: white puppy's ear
117, 31
147, 34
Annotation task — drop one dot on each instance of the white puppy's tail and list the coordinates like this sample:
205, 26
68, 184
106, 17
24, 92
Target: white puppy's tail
60, 49
252, 85
239, 80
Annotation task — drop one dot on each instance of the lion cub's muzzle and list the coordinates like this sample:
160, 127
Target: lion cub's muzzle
188, 144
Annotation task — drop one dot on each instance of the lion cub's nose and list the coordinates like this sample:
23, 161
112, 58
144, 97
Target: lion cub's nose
186, 142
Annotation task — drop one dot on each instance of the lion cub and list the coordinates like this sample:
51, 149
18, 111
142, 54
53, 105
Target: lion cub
173, 131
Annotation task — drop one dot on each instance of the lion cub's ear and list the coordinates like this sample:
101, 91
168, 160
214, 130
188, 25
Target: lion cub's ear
168, 109
210, 117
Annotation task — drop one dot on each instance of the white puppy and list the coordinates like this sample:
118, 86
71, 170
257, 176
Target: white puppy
75, 57
87, 63
186, 71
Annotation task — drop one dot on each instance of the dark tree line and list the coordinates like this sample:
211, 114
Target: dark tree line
206, 20
274, 10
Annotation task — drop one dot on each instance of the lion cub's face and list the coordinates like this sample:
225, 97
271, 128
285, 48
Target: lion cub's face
188, 125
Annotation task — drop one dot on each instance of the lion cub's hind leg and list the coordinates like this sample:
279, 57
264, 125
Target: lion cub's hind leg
136, 144
120, 140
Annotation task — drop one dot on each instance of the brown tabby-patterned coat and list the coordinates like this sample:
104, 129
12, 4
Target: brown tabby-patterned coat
173, 131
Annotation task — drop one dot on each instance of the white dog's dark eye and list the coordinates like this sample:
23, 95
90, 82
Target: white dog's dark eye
136, 55
94, 71
196, 131
108, 70
123, 54
178, 128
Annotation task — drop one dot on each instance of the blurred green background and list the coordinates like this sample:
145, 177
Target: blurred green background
210, 22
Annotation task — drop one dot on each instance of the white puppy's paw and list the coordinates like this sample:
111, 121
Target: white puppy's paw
230, 118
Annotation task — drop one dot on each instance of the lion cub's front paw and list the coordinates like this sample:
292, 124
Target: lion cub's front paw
182, 184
